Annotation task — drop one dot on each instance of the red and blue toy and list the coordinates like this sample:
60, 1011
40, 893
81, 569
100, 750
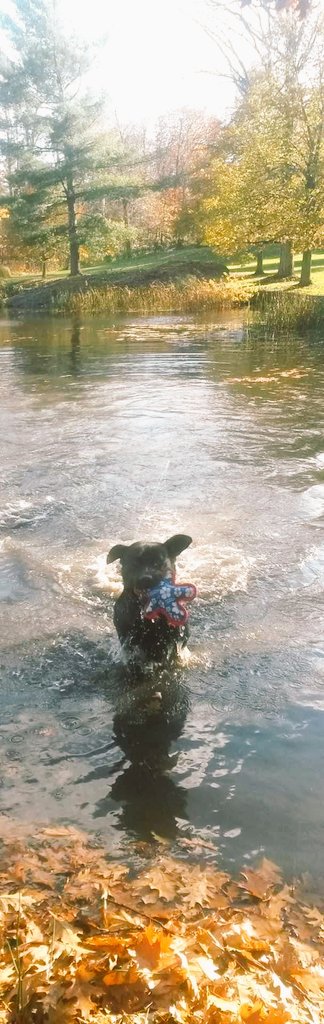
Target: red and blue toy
169, 599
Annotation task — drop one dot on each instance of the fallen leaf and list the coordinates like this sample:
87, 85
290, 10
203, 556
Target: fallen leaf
151, 947
259, 883
200, 888
311, 982
159, 880
196, 844
121, 976
207, 967
225, 1005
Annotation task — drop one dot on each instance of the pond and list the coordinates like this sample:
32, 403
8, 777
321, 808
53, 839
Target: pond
123, 428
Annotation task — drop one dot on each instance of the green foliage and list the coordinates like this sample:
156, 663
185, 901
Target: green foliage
57, 159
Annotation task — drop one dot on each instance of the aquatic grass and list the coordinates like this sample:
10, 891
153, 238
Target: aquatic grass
288, 310
189, 294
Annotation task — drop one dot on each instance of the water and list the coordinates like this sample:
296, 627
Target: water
120, 429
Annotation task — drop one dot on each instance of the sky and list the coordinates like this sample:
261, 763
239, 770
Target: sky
156, 57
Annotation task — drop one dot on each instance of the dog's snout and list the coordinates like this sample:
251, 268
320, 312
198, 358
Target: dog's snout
146, 581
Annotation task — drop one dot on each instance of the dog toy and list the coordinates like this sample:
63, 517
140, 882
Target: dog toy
169, 599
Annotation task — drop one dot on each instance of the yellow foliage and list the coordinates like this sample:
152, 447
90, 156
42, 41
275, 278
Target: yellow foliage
260, 188
79, 942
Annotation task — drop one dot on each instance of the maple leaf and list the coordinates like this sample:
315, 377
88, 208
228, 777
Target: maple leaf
121, 976
153, 946
228, 1006
200, 888
158, 879
260, 882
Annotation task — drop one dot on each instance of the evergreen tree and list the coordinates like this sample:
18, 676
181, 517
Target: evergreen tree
49, 128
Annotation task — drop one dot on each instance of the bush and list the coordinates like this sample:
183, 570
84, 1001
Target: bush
4, 271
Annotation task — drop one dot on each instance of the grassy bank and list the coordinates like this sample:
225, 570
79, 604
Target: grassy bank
189, 294
176, 940
190, 280
104, 286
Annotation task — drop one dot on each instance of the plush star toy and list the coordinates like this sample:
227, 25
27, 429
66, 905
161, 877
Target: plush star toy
169, 599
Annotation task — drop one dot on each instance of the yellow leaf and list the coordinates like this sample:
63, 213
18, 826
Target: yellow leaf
151, 947
225, 1005
207, 967
158, 879
121, 976
259, 883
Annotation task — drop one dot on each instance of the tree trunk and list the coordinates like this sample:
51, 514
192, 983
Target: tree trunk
44, 268
128, 247
259, 267
72, 229
286, 265
305, 273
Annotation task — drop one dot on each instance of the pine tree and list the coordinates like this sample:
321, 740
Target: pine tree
49, 127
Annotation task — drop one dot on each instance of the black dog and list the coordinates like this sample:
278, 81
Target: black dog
143, 567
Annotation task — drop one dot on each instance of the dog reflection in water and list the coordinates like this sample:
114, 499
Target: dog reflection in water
152, 704
150, 801
149, 717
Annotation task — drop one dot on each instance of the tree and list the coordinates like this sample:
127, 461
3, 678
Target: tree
35, 228
273, 181
182, 144
53, 152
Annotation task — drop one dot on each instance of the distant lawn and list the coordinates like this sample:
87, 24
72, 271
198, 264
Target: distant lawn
187, 260
149, 261
270, 264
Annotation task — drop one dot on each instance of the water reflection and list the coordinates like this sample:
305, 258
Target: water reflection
121, 428
76, 348
150, 802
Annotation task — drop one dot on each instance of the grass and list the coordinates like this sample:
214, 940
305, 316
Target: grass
189, 294
283, 305
178, 280
289, 310
150, 261
246, 270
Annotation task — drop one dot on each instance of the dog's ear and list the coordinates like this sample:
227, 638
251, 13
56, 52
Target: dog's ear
177, 544
116, 552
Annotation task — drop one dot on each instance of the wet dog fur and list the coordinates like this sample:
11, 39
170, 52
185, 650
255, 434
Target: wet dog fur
143, 566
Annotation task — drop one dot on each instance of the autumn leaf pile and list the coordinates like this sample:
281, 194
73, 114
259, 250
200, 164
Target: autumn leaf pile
84, 939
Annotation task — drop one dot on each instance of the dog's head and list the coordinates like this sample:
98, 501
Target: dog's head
145, 565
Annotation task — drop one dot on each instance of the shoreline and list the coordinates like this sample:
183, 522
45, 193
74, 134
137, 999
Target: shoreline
180, 286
